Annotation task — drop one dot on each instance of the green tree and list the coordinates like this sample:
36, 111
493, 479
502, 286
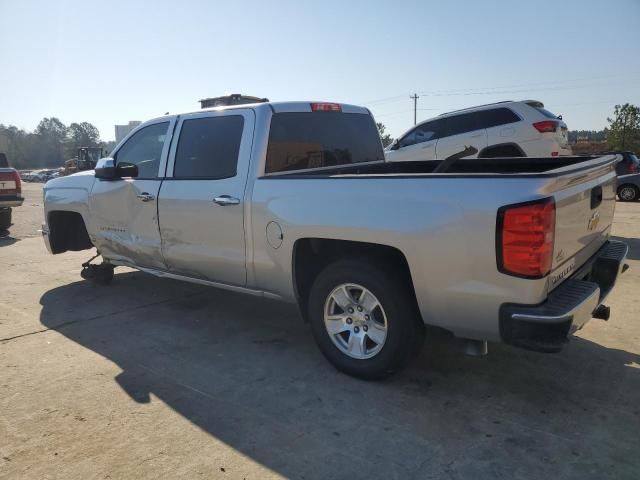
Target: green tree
79, 135
624, 128
47, 147
52, 128
386, 138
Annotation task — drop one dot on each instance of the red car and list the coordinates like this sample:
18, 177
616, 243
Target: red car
10, 192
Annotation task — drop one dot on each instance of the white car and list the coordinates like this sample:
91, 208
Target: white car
503, 129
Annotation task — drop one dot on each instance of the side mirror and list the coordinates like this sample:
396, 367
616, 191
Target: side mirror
106, 169
394, 145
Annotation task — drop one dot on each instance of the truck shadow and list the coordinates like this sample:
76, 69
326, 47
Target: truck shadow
246, 371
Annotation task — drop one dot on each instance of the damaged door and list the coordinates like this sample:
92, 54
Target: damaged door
124, 211
201, 203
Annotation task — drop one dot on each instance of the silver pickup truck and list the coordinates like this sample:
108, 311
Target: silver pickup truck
294, 201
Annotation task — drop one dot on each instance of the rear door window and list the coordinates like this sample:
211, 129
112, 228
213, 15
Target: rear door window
299, 141
208, 147
462, 123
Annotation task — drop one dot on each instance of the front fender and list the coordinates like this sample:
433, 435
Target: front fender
69, 194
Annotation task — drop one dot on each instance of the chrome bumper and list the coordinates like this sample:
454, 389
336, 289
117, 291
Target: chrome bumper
568, 308
13, 201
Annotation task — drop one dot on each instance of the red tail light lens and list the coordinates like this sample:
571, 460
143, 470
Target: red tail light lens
18, 180
326, 107
633, 167
546, 126
524, 240
10, 189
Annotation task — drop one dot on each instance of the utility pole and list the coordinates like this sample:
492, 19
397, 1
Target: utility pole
415, 98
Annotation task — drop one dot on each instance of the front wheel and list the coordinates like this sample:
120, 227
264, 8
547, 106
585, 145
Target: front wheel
628, 193
363, 319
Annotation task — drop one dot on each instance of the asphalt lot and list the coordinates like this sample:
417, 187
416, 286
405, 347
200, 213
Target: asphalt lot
153, 378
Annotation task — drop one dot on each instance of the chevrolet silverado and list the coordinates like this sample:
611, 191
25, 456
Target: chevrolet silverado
294, 201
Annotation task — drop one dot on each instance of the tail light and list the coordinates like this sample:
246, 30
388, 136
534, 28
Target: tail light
13, 177
633, 167
524, 238
547, 126
326, 107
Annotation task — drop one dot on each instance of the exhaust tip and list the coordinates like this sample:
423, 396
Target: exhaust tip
474, 348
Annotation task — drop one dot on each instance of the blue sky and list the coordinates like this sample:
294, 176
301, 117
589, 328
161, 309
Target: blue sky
110, 62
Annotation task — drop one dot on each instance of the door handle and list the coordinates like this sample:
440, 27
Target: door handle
145, 197
226, 200
477, 135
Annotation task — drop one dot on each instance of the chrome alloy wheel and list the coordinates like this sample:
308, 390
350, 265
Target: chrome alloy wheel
627, 193
355, 321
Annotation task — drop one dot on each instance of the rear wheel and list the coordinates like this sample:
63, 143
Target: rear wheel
501, 151
363, 319
5, 219
628, 193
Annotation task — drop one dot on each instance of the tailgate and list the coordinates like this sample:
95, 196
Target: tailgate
7, 183
585, 203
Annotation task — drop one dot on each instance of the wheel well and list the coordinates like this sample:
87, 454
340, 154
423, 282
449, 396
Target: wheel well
502, 150
67, 232
312, 255
628, 185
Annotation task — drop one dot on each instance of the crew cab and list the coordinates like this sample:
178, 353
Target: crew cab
10, 192
294, 201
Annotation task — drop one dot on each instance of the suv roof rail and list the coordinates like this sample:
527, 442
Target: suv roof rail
477, 106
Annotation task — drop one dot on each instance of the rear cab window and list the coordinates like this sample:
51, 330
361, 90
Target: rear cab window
309, 140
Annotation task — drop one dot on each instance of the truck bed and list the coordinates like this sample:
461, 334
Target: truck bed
548, 166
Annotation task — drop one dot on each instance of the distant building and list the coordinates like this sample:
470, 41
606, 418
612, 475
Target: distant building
232, 99
123, 130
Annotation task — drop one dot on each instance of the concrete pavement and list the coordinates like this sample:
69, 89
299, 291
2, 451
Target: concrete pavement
153, 378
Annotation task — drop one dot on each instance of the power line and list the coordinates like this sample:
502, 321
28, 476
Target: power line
498, 90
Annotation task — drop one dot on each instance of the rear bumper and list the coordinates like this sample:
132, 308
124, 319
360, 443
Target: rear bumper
546, 327
11, 201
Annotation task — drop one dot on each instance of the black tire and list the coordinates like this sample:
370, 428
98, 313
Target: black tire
628, 193
5, 219
501, 151
405, 330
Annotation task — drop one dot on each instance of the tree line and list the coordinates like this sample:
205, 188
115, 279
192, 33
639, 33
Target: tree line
49, 145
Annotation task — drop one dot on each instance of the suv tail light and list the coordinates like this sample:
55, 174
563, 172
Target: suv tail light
12, 176
326, 107
524, 238
546, 126
633, 167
